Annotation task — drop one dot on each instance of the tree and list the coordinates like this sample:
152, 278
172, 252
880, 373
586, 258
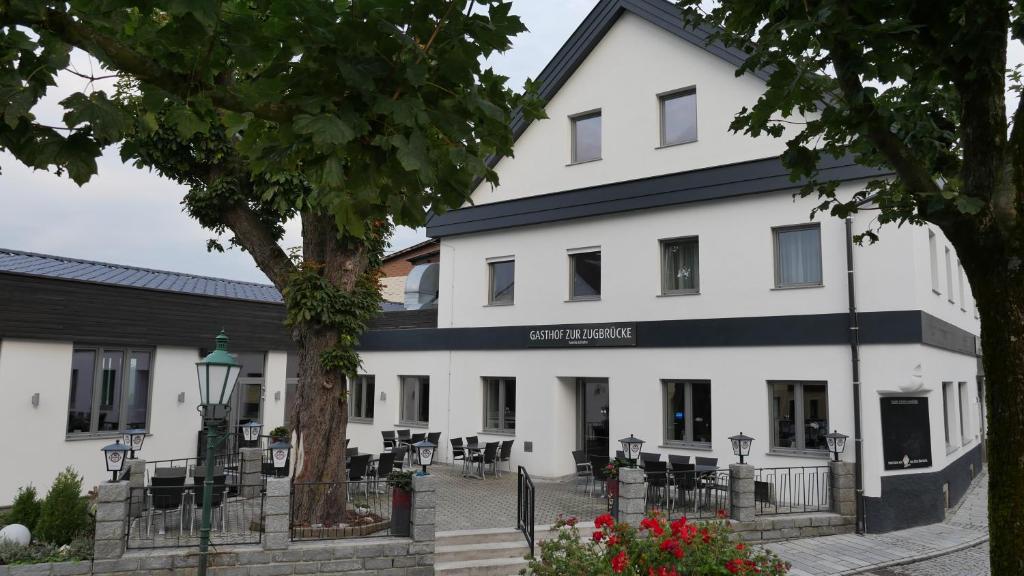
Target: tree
917, 87
351, 116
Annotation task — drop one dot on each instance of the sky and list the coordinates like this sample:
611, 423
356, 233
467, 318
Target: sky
129, 216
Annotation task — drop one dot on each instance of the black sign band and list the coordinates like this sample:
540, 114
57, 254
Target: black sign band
582, 335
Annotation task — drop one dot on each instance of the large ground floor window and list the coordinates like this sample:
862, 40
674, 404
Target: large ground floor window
109, 390
799, 412
687, 412
415, 406
500, 404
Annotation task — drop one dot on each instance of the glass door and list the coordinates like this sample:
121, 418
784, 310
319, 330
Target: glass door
592, 415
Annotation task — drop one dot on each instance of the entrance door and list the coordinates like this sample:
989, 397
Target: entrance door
592, 415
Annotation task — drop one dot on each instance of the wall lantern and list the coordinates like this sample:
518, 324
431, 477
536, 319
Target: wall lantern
631, 449
425, 450
217, 375
251, 431
741, 445
133, 439
114, 456
279, 453
836, 443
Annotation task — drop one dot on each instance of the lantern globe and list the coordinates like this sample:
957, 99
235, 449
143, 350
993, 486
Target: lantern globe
114, 456
251, 430
836, 443
279, 453
741, 445
425, 450
631, 448
217, 374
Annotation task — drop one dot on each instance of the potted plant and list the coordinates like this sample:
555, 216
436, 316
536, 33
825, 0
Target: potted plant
611, 475
400, 482
280, 434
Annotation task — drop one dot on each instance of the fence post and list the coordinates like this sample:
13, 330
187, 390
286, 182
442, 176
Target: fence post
277, 514
136, 484
111, 515
631, 496
252, 467
741, 492
844, 497
424, 503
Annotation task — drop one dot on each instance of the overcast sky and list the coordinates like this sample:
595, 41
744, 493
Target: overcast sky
130, 216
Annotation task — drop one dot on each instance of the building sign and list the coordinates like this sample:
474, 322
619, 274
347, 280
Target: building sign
582, 335
906, 432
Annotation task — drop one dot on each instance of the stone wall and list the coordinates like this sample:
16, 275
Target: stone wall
277, 555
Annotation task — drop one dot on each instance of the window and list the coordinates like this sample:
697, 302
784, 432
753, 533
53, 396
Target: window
360, 397
964, 411
948, 413
500, 404
502, 282
797, 256
933, 255
687, 412
960, 280
680, 268
109, 389
585, 275
949, 276
799, 412
678, 117
415, 407
586, 137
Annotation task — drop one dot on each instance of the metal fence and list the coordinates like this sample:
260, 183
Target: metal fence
336, 510
693, 494
169, 514
792, 490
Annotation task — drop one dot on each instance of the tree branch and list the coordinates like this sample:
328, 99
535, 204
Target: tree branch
254, 236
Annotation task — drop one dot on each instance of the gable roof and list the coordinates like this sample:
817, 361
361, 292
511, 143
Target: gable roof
591, 31
59, 267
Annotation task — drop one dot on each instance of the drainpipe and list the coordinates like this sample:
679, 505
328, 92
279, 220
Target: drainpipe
855, 366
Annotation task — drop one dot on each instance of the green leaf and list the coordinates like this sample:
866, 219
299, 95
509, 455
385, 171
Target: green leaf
186, 123
325, 129
106, 118
78, 157
969, 204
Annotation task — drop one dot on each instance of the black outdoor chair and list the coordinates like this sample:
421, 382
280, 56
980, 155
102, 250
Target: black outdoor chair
389, 439
489, 456
583, 468
505, 454
216, 496
413, 451
417, 438
620, 455
705, 461
470, 440
399, 452
458, 452
674, 459
435, 437
646, 457
351, 452
402, 435
358, 468
683, 478
657, 479
166, 493
385, 464
599, 466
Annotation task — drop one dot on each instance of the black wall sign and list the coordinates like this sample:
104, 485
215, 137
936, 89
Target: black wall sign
906, 432
582, 335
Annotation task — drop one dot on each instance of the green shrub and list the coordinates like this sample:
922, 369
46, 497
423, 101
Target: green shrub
25, 510
79, 549
65, 514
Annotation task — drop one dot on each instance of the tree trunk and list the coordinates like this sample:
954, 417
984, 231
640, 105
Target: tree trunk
999, 293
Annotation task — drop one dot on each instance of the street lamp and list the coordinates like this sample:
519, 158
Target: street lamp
741, 445
217, 375
251, 431
631, 449
836, 443
425, 449
133, 438
279, 452
114, 456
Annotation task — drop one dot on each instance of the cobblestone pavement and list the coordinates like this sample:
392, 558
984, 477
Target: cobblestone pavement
968, 562
468, 503
963, 534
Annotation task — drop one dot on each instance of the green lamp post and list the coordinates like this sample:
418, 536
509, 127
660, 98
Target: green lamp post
217, 375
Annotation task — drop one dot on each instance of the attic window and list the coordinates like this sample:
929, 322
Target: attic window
586, 137
678, 116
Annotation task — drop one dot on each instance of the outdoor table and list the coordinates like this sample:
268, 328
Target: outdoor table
470, 450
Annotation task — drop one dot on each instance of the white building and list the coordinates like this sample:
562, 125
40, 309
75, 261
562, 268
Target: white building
640, 270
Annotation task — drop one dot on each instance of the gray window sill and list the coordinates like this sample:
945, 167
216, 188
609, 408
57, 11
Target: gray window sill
413, 424
498, 304
799, 286
577, 163
77, 436
496, 432
359, 420
585, 299
674, 144
671, 294
703, 446
798, 453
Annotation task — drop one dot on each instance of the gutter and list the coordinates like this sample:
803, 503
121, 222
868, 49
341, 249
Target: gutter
854, 329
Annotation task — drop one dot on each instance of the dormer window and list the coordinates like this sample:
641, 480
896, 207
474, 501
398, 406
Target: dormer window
586, 137
678, 116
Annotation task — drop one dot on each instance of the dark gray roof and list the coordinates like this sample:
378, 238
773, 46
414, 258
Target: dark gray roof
30, 264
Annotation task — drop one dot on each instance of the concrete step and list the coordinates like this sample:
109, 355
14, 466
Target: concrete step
484, 551
492, 567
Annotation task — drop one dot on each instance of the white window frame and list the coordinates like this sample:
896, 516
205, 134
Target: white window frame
97, 389
777, 260
358, 413
503, 387
663, 246
572, 273
688, 441
403, 418
573, 119
666, 96
490, 280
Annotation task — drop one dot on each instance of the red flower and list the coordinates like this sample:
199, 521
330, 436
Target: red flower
598, 535
653, 525
722, 513
705, 535
619, 562
613, 540
740, 546
734, 566
672, 547
604, 520
571, 521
